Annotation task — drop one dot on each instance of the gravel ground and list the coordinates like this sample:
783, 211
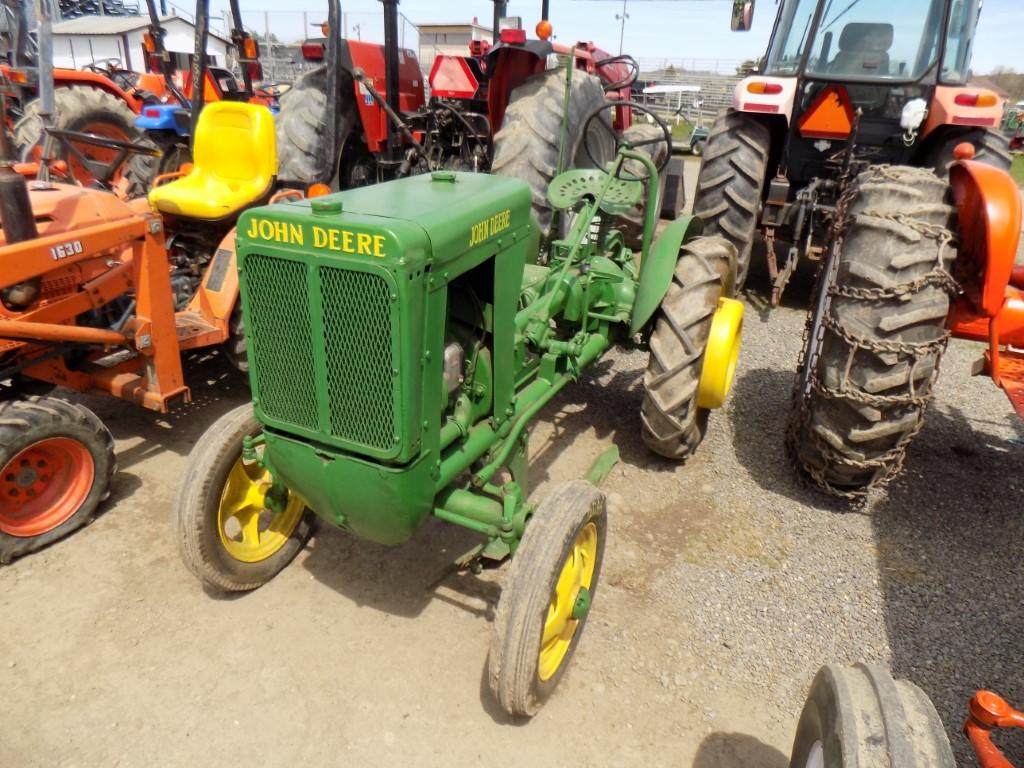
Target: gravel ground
726, 586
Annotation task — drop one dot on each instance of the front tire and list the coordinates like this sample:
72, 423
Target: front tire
673, 422
867, 373
56, 461
227, 536
546, 598
731, 179
859, 717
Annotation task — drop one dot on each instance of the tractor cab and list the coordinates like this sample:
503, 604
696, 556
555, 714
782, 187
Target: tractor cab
882, 74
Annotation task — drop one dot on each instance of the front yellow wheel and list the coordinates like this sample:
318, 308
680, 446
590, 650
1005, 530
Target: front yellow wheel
249, 530
228, 534
547, 597
570, 597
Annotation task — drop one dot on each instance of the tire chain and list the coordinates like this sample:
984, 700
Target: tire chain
888, 465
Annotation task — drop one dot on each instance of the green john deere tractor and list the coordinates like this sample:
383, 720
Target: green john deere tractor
402, 338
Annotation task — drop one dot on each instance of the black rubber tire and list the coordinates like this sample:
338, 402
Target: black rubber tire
28, 421
632, 224
672, 424
519, 620
844, 440
302, 121
78, 106
860, 717
235, 348
197, 501
527, 145
698, 147
730, 183
990, 147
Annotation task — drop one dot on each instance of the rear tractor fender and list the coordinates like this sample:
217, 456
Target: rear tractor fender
769, 96
657, 268
988, 205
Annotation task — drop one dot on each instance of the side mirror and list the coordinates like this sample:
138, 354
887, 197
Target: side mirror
742, 15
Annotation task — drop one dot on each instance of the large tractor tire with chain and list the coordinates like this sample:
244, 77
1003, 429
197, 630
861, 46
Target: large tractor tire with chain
990, 147
56, 461
674, 421
546, 597
89, 110
860, 717
876, 332
528, 145
302, 124
732, 175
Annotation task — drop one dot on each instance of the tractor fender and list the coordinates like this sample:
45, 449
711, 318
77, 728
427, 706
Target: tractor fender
657, 268
215, 299
989, 209
769, 96
70, 77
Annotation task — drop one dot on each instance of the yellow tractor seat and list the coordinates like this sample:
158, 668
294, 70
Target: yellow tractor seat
234, 164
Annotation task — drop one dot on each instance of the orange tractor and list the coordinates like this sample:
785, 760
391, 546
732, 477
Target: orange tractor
102, 295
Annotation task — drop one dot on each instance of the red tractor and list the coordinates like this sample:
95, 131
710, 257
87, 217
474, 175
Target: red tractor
842, 83
499, 109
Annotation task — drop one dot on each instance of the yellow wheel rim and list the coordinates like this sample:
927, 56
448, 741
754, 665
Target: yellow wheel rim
721, 354
249, 531
560, 626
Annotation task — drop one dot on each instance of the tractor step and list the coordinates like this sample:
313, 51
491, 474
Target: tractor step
194, 331
1011, 376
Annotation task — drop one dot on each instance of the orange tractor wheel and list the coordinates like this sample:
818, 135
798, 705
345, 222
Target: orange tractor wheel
56, 460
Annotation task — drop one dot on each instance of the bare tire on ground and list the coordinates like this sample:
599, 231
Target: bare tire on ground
867, 374
546, 597
990, 147
90, 110
859, 717
732, 174
302, 123
227, 535
56, 461
673, 424
527, 146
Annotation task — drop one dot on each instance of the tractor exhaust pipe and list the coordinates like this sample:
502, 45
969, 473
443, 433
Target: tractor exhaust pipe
500, 11
391, 72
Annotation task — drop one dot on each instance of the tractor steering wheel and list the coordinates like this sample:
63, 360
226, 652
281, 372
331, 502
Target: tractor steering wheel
622, 143
102, 171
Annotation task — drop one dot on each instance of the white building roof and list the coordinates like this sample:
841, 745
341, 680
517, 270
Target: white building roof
117, 25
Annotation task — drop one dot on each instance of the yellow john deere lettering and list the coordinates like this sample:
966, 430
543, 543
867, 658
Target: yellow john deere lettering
490, 226
328, 238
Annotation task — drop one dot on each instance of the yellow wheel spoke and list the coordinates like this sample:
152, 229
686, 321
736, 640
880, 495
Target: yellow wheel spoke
251, 530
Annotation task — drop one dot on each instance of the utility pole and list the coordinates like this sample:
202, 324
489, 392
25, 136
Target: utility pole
622, 26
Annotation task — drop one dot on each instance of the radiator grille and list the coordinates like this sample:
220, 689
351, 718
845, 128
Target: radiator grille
281, 336
358, 341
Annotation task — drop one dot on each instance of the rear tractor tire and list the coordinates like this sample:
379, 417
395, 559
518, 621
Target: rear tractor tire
859, 717
990, 147
546, 597
674, 413
90, 110
867, 373
56, 461
227, 536
730, 183
527, 146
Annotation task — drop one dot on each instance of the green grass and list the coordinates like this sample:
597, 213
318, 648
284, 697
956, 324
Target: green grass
1017, 169
681, 132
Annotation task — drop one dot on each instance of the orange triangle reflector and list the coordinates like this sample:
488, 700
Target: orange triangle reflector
830, 116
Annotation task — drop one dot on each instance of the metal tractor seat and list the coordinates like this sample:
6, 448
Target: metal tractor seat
235, 162
863, 49
570, 187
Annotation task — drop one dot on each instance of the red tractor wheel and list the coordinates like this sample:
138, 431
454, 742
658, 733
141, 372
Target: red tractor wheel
56, 460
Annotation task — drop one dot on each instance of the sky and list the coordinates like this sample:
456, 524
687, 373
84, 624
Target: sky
655, 29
